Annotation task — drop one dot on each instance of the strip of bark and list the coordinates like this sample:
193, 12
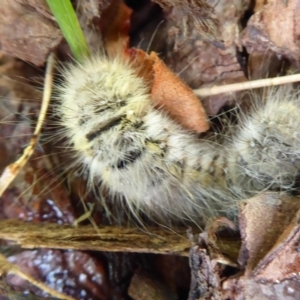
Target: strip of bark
109, 238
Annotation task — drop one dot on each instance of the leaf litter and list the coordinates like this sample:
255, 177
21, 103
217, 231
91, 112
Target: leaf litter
268, 261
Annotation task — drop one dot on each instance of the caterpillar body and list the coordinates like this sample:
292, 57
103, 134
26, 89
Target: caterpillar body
143, 156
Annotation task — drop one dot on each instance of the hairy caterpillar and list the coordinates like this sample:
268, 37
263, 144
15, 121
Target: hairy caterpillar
161, 169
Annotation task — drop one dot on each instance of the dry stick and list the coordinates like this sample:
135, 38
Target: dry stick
109, 238
12, 170
229, 88
115, 239
8, 268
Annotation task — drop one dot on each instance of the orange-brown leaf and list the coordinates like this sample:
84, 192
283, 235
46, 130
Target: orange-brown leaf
143, 64
169, 92
174, 96
115, 25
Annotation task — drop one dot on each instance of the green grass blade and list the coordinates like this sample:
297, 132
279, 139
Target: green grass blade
69, 25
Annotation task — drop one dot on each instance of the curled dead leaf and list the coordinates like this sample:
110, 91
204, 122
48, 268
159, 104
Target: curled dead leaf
275, 27
169, 92
174, 96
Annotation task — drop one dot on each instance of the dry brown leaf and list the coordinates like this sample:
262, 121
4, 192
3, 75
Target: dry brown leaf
115, 25
175, 97
78, 274
283, 260
270, 232
25, 33
143, 63
7, 268
262, 220
169, 92
275, 27
270, 236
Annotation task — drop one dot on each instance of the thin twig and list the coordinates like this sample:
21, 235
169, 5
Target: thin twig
12, 170
230, 88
